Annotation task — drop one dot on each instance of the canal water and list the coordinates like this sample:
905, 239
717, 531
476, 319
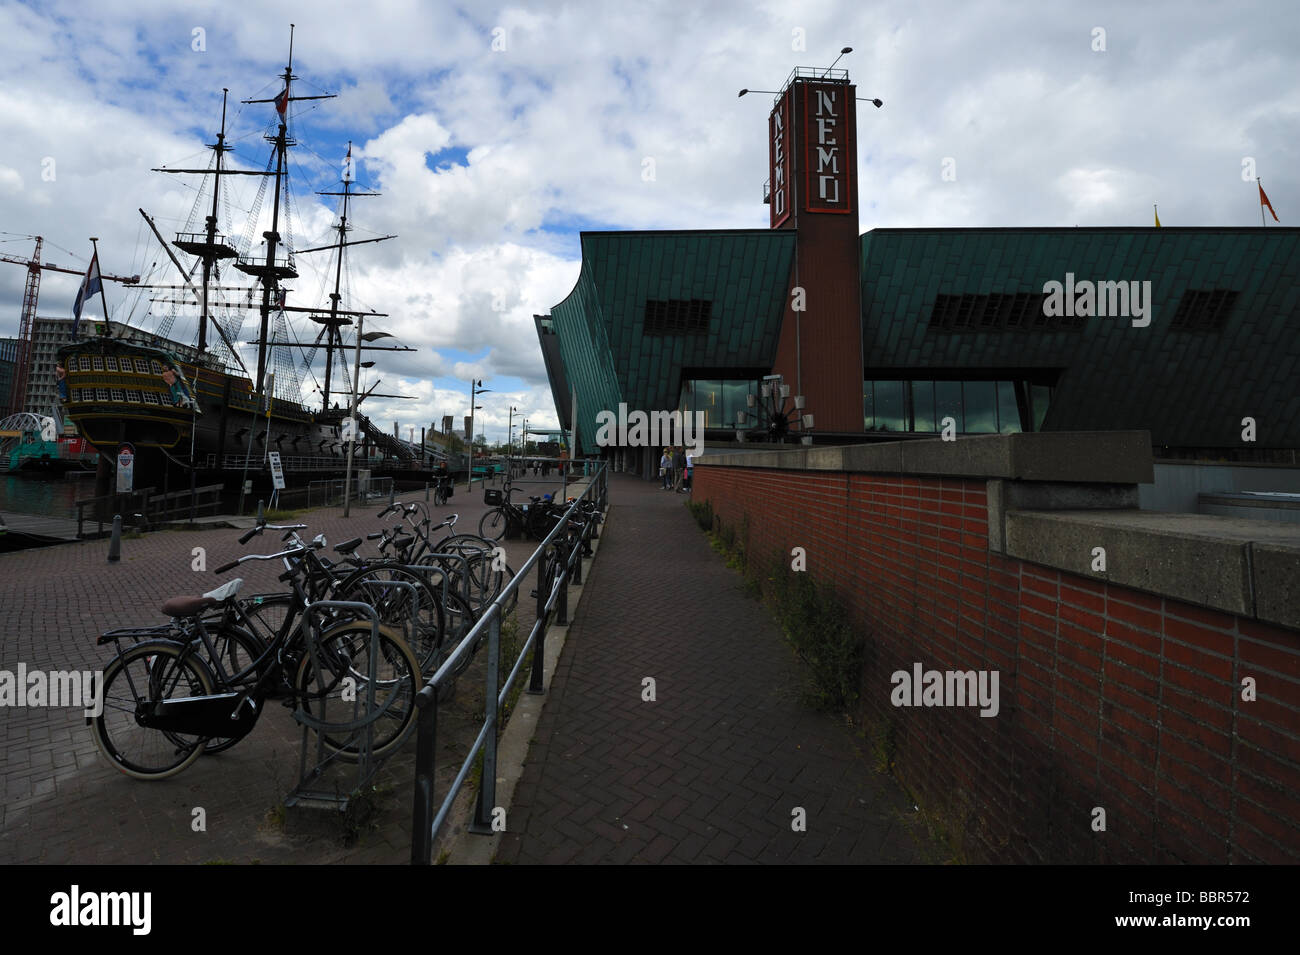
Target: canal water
47, 495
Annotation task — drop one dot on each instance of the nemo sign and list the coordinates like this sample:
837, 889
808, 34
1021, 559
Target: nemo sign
778, 155
827, 143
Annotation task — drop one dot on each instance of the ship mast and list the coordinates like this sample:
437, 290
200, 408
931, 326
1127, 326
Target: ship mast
332, 324
210, 246
272, 272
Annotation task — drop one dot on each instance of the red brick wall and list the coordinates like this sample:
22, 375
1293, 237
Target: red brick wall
1109, 697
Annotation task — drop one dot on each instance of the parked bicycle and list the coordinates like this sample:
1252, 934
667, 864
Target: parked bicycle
170, 696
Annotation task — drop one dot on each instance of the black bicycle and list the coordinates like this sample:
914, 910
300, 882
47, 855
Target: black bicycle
180, 691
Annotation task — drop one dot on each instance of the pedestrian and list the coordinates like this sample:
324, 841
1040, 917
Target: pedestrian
679, 469
690, 468
665, 466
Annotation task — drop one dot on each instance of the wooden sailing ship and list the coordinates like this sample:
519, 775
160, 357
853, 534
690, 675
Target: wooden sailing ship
199, 406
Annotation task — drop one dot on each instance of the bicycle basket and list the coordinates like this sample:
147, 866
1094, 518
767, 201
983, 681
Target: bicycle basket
493, 497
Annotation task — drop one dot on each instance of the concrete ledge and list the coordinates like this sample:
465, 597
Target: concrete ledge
1249, 568
1077, 457
1277, 583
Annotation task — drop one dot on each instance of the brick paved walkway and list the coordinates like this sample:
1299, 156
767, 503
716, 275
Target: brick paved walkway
61, 802
713, 770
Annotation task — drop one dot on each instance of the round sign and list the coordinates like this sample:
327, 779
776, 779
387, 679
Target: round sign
125, 455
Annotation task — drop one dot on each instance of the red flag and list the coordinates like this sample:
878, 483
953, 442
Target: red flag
282, 101
1263, 201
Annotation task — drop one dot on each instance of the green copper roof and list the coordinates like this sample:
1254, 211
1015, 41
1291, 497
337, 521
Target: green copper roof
608, 356
1189, 388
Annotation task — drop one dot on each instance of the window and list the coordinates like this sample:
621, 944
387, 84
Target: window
1008, 409
98, 363
947, 404
1039, 396
981, 406
889, 406
118, 394
157, 368
923, 406
151, 398
133, 396
979, 401
142, 366
101, 394
718, 399
110, 363
83, 363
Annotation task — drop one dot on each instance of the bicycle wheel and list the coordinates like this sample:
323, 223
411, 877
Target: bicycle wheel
141, 676
424, 623
336, 693
267, 613
492, 525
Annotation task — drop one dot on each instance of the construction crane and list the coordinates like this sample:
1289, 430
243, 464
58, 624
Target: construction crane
27, 323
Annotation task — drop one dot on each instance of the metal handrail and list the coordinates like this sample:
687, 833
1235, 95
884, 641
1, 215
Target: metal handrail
426, 823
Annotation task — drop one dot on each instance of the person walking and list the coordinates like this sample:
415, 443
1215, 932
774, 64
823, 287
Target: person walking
690, 467
679, 469
665, 469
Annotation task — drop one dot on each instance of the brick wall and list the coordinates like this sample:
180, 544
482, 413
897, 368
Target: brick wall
1109, 697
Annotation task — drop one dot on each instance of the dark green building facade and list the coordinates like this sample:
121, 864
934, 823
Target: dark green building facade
959, 327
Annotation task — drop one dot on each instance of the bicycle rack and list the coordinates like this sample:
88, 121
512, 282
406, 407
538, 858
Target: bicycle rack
302, 793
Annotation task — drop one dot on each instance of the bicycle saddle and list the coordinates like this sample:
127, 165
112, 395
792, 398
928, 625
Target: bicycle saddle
401, 543
190, 606
347, 547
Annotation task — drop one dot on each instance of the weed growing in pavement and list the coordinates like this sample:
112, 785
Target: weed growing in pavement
702, 511
815, 623
819, 629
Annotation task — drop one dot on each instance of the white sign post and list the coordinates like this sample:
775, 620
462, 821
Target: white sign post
125, 469
277, 477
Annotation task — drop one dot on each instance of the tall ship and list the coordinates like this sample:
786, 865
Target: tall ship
199, 406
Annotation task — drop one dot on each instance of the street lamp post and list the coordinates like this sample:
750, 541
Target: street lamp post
475, 389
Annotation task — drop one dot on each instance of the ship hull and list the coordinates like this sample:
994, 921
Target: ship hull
120, 392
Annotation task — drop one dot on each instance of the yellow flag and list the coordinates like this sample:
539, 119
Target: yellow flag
1157, 217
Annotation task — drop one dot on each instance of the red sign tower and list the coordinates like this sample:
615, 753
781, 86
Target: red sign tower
812, 157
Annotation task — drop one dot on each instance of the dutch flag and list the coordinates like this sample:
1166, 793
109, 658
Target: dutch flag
90, 285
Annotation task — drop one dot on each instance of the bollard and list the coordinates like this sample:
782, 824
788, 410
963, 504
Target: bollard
115, 542
426, 491
392, 493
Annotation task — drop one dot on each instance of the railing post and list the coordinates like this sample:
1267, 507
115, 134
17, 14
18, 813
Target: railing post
426, 741
562, 603
539, 648
487, 790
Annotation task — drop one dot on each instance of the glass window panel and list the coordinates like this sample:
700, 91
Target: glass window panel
708, 398
868, 406
1041, 397
979, 400
1008, 414
947, 404
734, 400
923, 406
889, 406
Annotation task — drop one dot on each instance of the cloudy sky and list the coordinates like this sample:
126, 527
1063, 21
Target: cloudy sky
497, 133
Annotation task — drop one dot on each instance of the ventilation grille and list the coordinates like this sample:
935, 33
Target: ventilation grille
677, 316
1203, 310
999, 312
